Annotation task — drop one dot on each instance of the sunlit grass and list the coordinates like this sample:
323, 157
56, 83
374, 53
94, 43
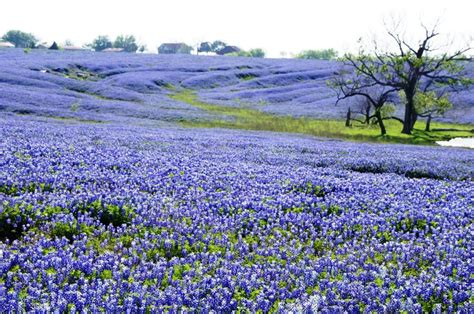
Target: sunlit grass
251, 119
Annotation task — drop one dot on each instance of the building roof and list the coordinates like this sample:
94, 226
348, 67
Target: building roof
6, 44
173, 45
73, 48
113, 50
174, 48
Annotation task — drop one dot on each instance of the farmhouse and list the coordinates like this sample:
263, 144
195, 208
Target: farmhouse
6, 44
228, 49
173, 48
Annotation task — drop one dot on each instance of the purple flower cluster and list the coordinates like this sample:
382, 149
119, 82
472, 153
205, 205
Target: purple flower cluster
123, 218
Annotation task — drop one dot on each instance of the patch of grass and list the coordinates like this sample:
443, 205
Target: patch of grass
109, 213
77, 72
251, 119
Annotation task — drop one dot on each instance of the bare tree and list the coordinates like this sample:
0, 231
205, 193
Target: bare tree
405, 68
355, 85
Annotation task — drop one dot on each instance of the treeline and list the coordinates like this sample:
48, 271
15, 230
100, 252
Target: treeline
126, 42
129, 43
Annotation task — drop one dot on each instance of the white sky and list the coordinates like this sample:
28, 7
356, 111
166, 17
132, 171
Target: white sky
274, 25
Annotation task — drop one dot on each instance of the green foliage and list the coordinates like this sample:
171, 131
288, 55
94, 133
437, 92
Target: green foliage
13, 219
252, 53
127, 42
69, 230
387, 110
179, 271
109, 213
257, 53
113, 214
319, 247
379, 282
310, 189
217, 45
165, 281
101, 43
205, 47
323, 54
20, 39
430, 102
106, 274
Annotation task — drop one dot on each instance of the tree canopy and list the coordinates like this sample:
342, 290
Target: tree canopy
217, 45
20, 39
252, 53
127, 42
101, 43
205, 47
323, 54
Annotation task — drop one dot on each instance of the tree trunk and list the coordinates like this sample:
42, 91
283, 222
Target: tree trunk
414, 117
409, 109
367, 115
383, 131
428, 123
348, 118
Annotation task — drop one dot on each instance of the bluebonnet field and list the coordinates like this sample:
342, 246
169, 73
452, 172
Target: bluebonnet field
117, 86
106, 204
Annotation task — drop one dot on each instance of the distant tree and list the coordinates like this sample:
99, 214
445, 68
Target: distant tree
205, 47
217, 45
324, 54
257, 53
127, 42
142, 48
253, 53
185, 49
68, 43
20, 39
101, 43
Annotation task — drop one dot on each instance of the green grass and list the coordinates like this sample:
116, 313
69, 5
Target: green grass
252, 119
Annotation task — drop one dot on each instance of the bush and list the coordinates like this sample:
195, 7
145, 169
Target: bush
324, 54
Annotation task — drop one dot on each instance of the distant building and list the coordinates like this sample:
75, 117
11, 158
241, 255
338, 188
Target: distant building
114, 50
54, 46
173, 48
6, 44
42, 46
75, 48
228, 49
